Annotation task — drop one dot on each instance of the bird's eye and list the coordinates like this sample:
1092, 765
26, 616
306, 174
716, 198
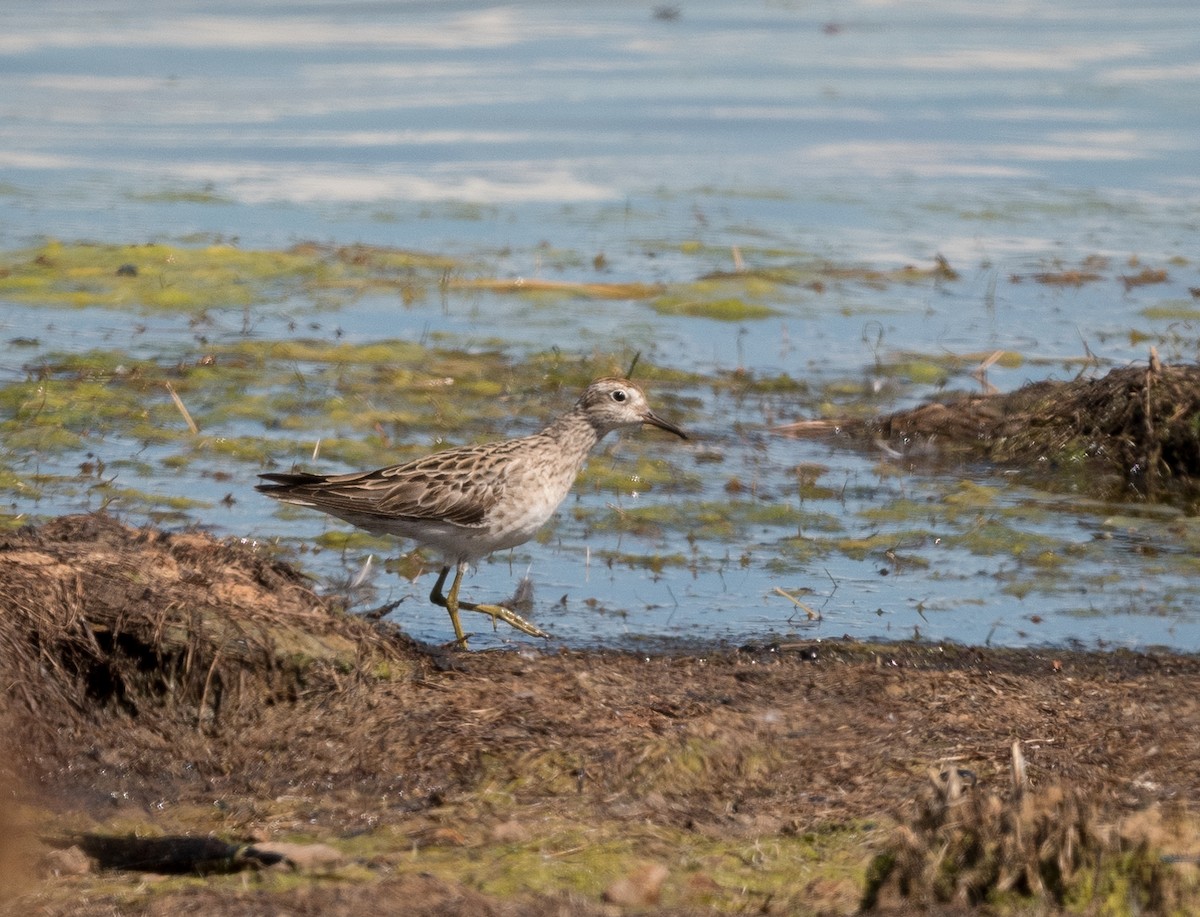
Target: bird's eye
619, 395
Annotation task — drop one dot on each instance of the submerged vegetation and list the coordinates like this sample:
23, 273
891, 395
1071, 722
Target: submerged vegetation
212, 363
177, 278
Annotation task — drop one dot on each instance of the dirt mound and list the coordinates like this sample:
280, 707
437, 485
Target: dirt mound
1137, 427
99, 618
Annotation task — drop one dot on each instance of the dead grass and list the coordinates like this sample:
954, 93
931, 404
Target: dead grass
173, 685
1053, 846
1136, 428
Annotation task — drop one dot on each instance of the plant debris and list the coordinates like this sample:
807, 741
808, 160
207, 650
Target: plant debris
1134, 431
969, 848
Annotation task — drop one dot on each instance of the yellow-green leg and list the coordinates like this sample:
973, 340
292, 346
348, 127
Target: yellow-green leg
497, 612
450, 603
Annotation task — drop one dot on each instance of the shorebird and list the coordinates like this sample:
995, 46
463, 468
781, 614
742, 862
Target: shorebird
468, 502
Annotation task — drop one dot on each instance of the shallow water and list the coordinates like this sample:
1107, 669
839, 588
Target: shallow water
532, 138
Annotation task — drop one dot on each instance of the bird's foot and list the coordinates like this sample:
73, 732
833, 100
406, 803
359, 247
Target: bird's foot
509, 617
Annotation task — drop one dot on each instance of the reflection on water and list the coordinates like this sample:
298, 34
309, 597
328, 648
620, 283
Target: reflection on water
1011, 139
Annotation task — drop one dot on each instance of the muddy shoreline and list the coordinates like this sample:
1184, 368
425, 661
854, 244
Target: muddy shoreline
170, 685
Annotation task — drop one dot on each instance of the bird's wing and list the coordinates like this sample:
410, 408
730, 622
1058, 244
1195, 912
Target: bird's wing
458, 486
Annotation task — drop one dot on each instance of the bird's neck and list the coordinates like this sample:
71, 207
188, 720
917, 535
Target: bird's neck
574, 433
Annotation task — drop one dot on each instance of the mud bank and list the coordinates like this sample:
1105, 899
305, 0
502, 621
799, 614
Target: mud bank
169, 685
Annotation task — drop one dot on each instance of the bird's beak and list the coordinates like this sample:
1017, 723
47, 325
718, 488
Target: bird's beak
655, 421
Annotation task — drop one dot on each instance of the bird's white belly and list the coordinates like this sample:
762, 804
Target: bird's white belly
518, 525
512, 522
